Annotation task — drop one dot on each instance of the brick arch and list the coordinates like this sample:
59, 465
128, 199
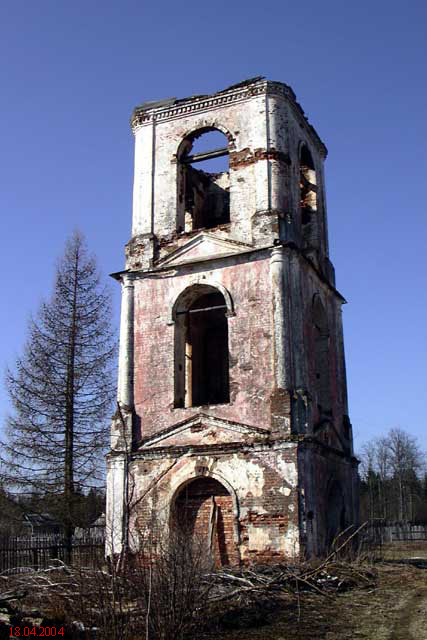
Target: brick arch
208, 285
196, 131
203, 507
203, 191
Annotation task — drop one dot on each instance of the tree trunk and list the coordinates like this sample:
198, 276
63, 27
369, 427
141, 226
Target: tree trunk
69, 488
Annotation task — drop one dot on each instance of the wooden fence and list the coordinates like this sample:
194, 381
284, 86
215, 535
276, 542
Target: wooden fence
400, 531
18, 553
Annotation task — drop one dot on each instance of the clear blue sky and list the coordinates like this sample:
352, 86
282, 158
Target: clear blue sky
71, 72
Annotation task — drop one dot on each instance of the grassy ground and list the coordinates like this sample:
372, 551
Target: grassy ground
395, 608
384, 598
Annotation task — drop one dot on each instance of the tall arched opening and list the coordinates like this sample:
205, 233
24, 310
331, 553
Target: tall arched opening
203, 509
203, 180
308, 196
201, 348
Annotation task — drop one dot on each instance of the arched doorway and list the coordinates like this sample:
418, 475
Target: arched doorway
204, 509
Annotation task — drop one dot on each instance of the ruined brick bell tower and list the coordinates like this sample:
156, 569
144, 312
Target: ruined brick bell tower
232, 387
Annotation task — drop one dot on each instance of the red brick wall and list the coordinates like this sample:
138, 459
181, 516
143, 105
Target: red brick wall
250, 344
193, 512
332, 307
257, 502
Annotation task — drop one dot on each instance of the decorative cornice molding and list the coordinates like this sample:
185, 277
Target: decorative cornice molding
224, 244
172, 109
202, 420
191, 105
226, 448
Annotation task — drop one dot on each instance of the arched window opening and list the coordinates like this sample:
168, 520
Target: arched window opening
204, 510
201, 350
321, 356
204, 190
308, 193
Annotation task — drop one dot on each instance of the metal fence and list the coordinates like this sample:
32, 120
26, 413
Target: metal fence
18, 553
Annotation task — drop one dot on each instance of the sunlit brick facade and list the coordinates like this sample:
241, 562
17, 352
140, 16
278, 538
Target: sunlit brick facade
233, 413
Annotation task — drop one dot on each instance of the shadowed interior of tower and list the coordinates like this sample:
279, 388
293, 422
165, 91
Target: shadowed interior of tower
205, 180
202, 352
308, 194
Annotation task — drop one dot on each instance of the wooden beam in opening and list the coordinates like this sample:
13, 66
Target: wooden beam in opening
205, 155
220, 306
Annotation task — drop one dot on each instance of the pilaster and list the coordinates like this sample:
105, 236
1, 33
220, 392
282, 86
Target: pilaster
280, 398
125, 382
115, 508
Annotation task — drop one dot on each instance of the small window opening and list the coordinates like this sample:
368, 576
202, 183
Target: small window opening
321, 356
204, 196
201, 352
308, 193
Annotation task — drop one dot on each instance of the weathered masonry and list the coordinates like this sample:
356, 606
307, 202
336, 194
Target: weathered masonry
233, 416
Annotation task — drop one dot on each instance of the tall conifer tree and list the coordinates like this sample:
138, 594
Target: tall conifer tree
62, 388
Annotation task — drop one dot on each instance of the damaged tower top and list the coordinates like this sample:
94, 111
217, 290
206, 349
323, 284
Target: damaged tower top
233, 417
261, 132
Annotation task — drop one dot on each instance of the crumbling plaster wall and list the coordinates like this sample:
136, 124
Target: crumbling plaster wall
263, 483
265, 134
301, 283
161, 178
312, 285
321, 470
297, 136
250, 348
280, 476
250, 343
116, 482
336, 434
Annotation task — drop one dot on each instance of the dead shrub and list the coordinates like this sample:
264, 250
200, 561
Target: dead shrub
157, 594
172, 584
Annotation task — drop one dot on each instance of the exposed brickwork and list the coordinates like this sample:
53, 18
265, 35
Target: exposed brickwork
268, 472
246, 157
204, 507
249, 345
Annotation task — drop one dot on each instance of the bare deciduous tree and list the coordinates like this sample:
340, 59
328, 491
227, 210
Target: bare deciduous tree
406, 462
391, 472
62, 388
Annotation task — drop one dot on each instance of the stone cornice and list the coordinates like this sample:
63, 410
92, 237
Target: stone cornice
203, 420
176, 451
258, 252
313, 442
178, 108
297, 440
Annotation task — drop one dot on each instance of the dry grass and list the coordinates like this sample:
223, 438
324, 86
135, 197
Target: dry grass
403, 550
363, 598
394, 608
